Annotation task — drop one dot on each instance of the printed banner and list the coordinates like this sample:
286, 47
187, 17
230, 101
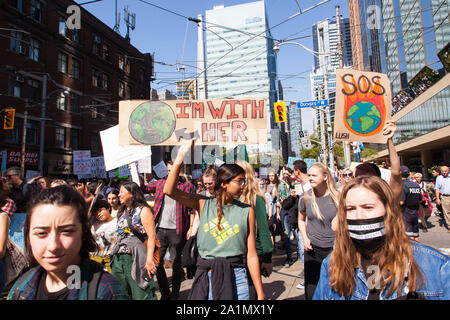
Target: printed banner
363, 105
15, 157
216, 121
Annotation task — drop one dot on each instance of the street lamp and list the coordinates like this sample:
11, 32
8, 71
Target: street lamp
276, 49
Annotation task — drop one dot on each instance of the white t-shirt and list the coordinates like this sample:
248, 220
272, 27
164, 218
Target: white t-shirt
104, 233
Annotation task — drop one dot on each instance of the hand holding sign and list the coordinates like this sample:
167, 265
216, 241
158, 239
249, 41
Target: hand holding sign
389, 129
184, 150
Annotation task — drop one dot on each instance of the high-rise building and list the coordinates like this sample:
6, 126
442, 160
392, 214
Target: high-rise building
294, 124
416, 36
323, 75
239, 57
187, 89
366, 35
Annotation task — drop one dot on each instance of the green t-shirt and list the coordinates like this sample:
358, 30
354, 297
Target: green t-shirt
264, 246
231, 240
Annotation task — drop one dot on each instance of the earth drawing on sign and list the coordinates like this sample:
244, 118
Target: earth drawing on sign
152, 122
363, 117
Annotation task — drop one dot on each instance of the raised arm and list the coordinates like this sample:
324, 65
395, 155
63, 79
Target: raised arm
170, 187
395, 181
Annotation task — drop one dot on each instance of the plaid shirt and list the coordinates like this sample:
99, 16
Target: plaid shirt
183, 212
9, 207
109, 288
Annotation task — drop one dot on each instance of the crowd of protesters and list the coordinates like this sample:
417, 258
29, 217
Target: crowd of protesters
222, 229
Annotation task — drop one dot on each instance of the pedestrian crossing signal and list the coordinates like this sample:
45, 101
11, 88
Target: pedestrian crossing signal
8, 120
301, 134
280, 111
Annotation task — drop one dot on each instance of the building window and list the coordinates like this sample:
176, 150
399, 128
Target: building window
18, 4
62, 62
34, 50
74, 138
15, 85
61, 103
32, 132
96, 78
95, 142
94, 113
62, 27
97, 46
75, 68
33, 92
121, 89
16, 43
36, 10
128, 92
60, 139
124, 63
105, 52
74, 103
106, 81
76, 35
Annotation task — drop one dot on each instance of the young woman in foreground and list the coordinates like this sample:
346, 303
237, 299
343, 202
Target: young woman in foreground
226, 237
373, 258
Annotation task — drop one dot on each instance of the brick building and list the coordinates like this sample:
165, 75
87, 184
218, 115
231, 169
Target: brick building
79, 75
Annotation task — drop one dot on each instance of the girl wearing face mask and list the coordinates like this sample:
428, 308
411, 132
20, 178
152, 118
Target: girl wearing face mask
226, 238
373, 258
319, 206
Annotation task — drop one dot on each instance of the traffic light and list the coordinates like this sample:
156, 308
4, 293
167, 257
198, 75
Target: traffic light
301, 134
280, 111
8, 120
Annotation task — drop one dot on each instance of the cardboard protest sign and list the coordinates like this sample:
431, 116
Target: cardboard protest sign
116, 155
82, 162
160, 169
215, 121
363, 105
98, 167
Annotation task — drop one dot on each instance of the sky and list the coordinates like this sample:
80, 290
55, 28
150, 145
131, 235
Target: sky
173, 39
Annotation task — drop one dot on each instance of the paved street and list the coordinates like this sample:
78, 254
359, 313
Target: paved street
281, 285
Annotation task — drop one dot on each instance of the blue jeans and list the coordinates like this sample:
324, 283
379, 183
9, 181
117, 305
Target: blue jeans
357, 156
2, 274
240, 284
287, 227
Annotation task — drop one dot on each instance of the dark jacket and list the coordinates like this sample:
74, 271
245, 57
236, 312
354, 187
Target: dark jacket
290, 204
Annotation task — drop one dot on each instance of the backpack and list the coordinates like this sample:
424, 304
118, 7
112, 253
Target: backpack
361, 146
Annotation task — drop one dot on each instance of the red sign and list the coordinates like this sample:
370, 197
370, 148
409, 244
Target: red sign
14, 157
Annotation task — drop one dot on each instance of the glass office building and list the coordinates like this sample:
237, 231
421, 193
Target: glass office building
414, 33
239, 57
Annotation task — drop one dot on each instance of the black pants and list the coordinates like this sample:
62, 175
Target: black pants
313, 261
169, 239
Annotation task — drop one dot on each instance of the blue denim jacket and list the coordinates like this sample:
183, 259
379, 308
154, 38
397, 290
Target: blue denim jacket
435, 269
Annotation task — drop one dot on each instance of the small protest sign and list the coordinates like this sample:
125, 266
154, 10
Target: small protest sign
160, 169
363, 105
82, 162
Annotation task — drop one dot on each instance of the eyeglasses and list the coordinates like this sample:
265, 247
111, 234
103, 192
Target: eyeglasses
240, 182
350, 175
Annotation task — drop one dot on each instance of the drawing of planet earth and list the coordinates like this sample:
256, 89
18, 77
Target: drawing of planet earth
152, 122
363, 117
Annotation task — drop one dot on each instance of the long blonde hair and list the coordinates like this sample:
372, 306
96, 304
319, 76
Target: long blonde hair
252, 190
331, 187
395, 258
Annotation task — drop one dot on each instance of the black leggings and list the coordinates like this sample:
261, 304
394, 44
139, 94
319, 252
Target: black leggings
313, 261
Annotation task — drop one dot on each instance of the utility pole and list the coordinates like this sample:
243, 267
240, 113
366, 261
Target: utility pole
43, 105
24, 140
345, 144
322, 128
